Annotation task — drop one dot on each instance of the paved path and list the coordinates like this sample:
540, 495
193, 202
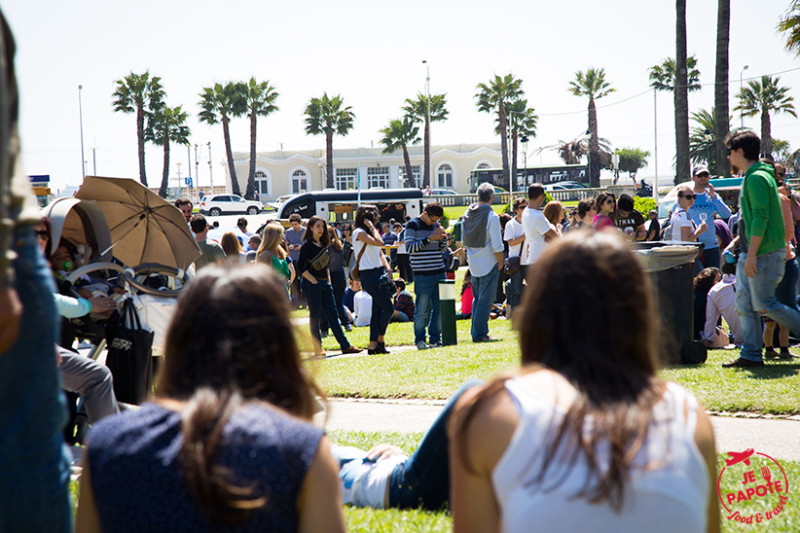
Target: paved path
776, 437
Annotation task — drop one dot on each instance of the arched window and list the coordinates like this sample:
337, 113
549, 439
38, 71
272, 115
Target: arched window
262, 183
482, 166
444, 177
299, 181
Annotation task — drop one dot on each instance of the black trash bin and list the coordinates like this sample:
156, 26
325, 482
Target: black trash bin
671, 267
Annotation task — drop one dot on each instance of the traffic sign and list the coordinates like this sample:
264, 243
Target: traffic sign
188, 182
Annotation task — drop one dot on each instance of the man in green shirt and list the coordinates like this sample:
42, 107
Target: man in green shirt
211, 252
763, 259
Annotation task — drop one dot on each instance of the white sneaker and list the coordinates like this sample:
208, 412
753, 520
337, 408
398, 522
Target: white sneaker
364, 483
422, 346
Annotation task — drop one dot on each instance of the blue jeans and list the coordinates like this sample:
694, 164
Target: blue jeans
320, 301
423, 481
514, 289
711, 258
382, 308
754, 295
33, 461
484, 289
426, 308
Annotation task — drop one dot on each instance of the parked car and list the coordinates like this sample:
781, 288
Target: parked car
442, 192
224, 204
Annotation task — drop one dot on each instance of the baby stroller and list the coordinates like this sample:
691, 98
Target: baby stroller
82, 224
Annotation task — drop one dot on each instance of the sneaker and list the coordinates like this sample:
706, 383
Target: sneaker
363, 482
437, 344
786, 355
422, 346
742, 363
351, 349
770, 353
348, 327
485, 338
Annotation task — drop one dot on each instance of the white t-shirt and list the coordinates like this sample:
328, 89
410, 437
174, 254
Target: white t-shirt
362, 303
513, 230
535, 226
372, 255
668, 489
680, 220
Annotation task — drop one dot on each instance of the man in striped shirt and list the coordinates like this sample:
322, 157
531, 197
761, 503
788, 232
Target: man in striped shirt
425, 241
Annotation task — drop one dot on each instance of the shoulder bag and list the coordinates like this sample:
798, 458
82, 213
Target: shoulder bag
356, 273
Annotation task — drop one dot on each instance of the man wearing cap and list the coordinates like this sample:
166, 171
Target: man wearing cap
707, 201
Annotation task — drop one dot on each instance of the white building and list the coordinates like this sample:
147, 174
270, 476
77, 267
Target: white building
284, 172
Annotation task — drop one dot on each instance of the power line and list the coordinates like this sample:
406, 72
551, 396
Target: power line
649, 89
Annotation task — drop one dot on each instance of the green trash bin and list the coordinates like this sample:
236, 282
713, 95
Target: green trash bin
670, 266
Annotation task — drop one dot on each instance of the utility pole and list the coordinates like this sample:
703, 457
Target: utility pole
210, 170
196, 165
80, 115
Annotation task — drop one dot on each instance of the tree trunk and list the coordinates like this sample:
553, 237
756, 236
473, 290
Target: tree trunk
426, 177
229, 153
682, 163
514, 146
766, 135
594, 146
162, 191
721, 87
140, 140
250, 192
409, 174
501, 115
329, 160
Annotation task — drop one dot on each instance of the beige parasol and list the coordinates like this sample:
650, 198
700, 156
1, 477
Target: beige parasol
144, 227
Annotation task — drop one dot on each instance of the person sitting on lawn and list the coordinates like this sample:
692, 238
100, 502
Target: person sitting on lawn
228, 441
586, 436
403, 302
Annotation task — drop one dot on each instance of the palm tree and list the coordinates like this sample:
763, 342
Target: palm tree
572, 152
167, 124
522, 122
593, 84
328, 116
663, 77
398, 135
497, 95
139, 93
260, 103
763, 97
790, 25
722, 127
681, 96
419, 110
220, 103
703, 140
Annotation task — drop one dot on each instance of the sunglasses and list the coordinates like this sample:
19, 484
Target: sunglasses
688, 196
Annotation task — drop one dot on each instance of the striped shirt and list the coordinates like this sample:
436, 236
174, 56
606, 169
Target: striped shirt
425, 254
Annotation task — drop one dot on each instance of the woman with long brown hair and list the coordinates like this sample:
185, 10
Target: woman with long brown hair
234, 255
272, 252
586, 437
227, 440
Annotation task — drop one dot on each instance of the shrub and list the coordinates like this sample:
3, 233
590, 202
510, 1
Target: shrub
643, 205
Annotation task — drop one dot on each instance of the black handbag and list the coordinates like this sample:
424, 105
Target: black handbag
130, 356
511, 265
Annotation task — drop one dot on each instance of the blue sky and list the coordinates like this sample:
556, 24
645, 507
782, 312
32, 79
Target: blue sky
371, 53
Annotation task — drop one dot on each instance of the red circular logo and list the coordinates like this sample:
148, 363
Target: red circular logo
752, 487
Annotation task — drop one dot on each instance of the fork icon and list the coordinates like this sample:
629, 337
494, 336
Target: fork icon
765, 473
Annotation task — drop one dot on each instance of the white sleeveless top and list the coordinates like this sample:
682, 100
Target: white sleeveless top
671, 496
372, 255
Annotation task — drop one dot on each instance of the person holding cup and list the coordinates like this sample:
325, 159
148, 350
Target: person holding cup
707, 203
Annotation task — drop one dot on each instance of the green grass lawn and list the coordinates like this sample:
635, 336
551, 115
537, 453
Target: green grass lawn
437, 373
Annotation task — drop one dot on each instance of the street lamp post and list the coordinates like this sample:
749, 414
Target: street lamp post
80, 115
428, 120
741, 87
180, 185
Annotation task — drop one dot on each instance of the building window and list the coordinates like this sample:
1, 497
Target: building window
346, 179
444, 177
299, 181
415, 173
482, 166
262, 183
378, 177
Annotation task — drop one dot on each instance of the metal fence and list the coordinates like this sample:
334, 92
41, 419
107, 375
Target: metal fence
569, 195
